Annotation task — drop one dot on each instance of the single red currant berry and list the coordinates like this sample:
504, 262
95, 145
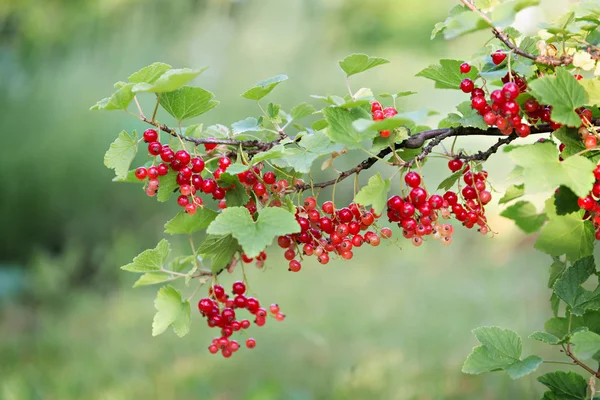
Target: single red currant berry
586, 203
240, 301
163, 169
578, 77
412, 179
294, 266
154, 148
224, 162
238, 287
141, 173
245, 324
378, 116
183, 157
328, 207
478, 102
531, 106
218, 291
269, 178
384, 133
386, 233
489, 118
465, 68
209, 186
210, 146
498, 57
289, 254
375, 106
591, 142
252, 305
190, 209
167, 155
213, 349
152, 172
150, 135
183, 201
251, 343
197, 165
234, 345
280, 317
218, 193
523, 130
510, 91
511, 108
259, 189
467, 85
323, 258
455, 165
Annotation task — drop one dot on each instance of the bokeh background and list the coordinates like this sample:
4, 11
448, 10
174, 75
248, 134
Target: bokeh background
391, 324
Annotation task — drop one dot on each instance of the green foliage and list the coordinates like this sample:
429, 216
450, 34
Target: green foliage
468, 117
169, 81
447, 74
301, 111
564, 386
375, 193
168, 185
186, 224
302, 155
568, 287
252, 235
171, 311
121, 153
500, 350
150, 260
150, 73
341, 129
586, 344
119, 100
563, 93
220, 249
263, 88
544, 337
357, 63
513, 192
525, 216
460, 21
187, 102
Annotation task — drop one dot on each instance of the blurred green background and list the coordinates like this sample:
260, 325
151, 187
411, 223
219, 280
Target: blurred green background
391, 324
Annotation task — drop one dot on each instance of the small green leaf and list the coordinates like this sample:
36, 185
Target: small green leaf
586, 344
375, 193
302, 110
252, 235
263, 88
341, 130
544, 337
565, 201
249, 124
171, 310
512, 192
563, 93
121, 153
119, 100
568, 286
450, 181
544, 172
566, 385
447, 74
150, 73
468, 117
525, 216
397, 95
168, 185
187, 102
523, 367
150, 260
236, 196
220, 249
171, 80
185, 224
153, 278
277, 151
357, 63
460, 21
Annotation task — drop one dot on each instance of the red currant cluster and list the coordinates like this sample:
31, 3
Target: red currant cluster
380, 114
220, 311
265, 186
330, 230
188, 170
590, 204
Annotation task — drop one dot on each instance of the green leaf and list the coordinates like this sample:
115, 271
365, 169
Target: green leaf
592, 88
504, 14
512, 192
450, 181
150, 73
277, 151
220, 249
187, 102
171, 80
249, 124
171, 310
565, 201
500, 349
568, 286
544, 337
167, 186
565, 385
234, 197
263, 88
468, 117
362, 125
357, 63
302, 110
397, 95
150, 260
447, 74
310, 147
186, 224
119, 100
341, 130
556, 270
587, 344
121, 153
375, 193
525, 216
563, 93
252, 235
320, 124
460, 21
543, 171
568, 234
153, 278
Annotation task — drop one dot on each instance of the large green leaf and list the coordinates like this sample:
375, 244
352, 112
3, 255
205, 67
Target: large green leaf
447, 74
302, 110
168, 185
468, 117
525, 216
568, 287
263, 88
500, 349
341, 130
563, 93
187, 102
220, 249
565, 385
150, 260
150, 73
121, 153
374, 193
586, 344
171, 310
460, 21
503, 15
170, 80
185, 224
542, 170
592, 88
513, 192
254, 236
357, 63
119, 100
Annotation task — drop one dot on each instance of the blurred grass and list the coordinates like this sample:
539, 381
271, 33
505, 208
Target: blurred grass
391, 324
